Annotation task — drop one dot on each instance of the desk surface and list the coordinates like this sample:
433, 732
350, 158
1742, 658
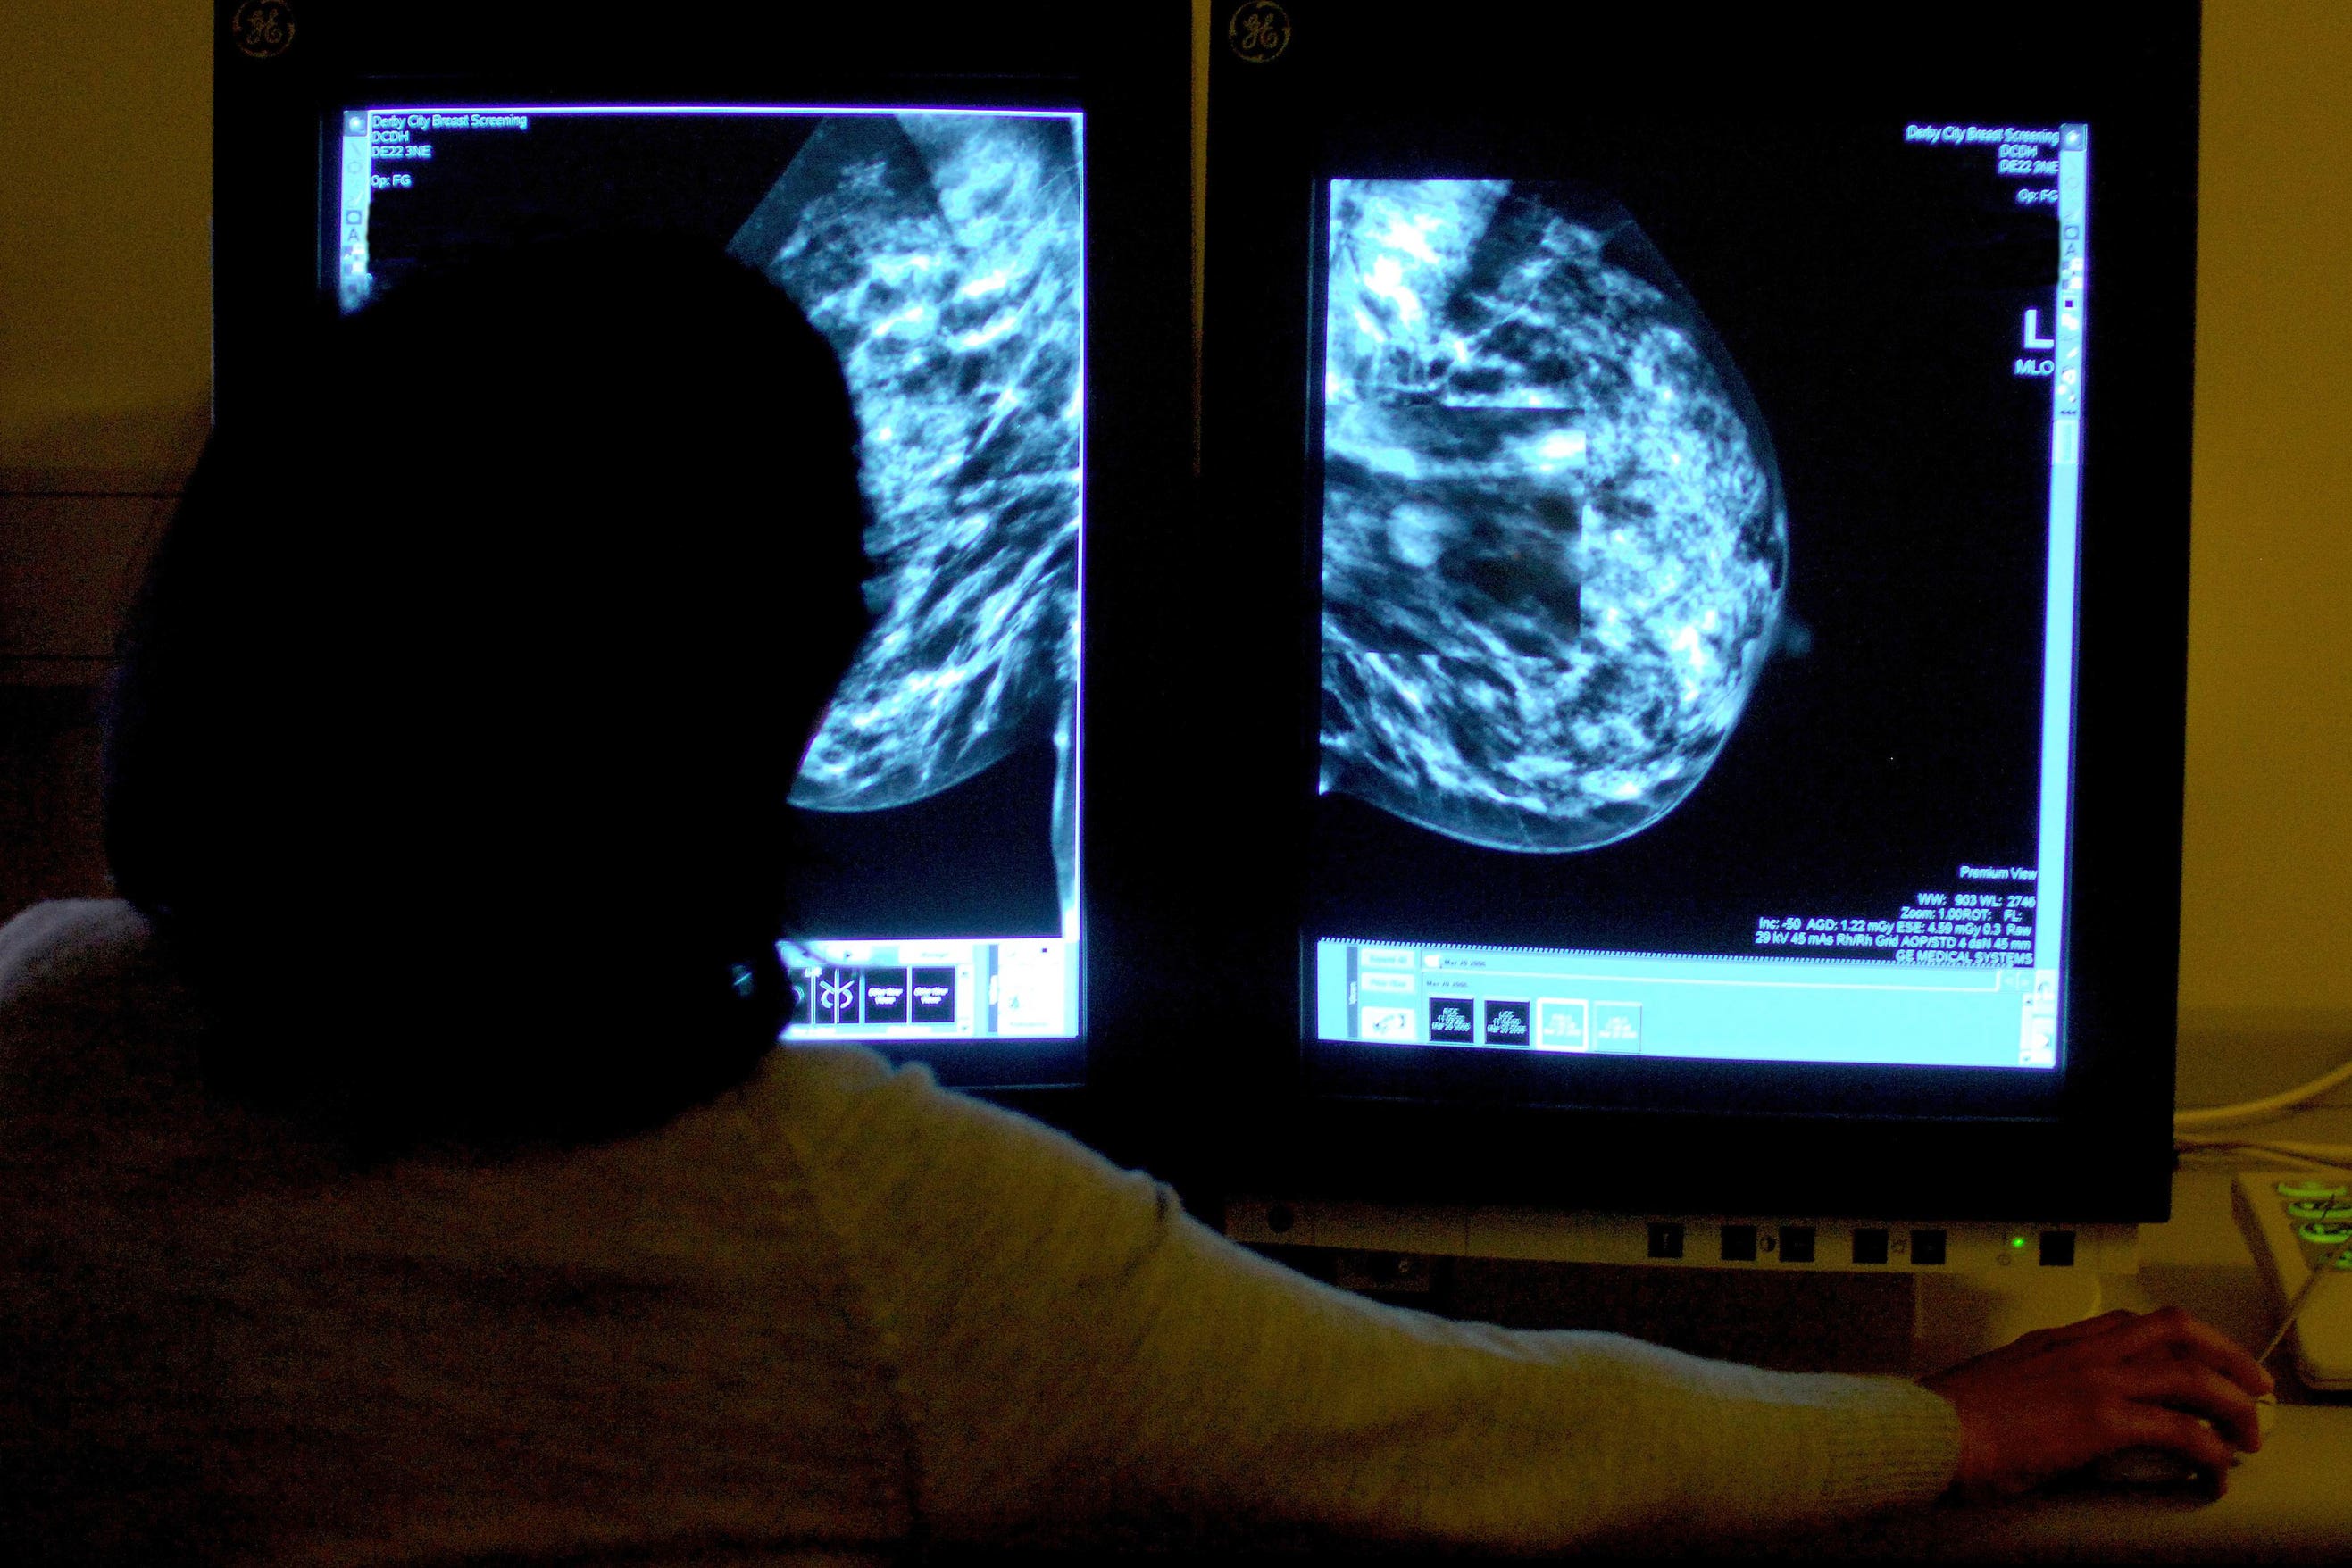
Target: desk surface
2293, 1500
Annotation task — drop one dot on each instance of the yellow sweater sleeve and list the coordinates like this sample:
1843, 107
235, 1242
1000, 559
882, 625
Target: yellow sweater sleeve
1079, 1358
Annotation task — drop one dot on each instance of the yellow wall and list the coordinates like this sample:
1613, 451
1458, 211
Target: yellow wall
105, 183
2268, 883
104, 140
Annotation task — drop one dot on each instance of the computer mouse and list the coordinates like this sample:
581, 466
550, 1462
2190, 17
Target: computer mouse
2145, 1470
2155, 1468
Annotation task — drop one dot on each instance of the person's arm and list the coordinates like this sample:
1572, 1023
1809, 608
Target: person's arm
1076, 1355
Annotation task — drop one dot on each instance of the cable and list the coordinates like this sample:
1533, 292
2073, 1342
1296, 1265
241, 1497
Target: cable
2336, 1156
2260, 1110
2320, 1270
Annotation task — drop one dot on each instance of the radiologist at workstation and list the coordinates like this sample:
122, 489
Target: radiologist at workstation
476, 1264
428, 1282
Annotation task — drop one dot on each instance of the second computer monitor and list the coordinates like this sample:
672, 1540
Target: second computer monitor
1739, 466
1698, 542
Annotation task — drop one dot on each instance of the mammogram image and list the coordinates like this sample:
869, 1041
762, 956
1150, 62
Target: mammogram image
941, 255
1554, 541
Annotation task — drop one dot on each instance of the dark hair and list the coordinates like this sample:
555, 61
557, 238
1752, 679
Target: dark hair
458, 712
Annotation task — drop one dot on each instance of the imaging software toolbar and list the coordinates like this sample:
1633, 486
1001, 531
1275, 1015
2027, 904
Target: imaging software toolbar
1711, 1007
1016, 987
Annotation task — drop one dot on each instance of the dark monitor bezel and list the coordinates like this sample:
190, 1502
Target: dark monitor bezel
273, 278
1738, 1137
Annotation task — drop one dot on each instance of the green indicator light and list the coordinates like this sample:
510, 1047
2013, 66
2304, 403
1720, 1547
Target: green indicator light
2309, 1190
2018, 1242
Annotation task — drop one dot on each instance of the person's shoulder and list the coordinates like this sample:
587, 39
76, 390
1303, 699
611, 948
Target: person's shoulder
850, 1092
95, 1026
905, 1156
826, 1069
829, 1094
70, 944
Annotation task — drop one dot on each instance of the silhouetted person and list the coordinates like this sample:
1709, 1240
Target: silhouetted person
465, 1213
458, 715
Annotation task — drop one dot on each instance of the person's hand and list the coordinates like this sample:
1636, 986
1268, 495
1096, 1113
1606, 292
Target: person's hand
2057, 1400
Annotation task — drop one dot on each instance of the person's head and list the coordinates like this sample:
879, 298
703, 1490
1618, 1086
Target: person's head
458, 713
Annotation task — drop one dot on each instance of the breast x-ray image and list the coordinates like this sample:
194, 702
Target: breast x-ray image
941, 252
941, 255
1555, 545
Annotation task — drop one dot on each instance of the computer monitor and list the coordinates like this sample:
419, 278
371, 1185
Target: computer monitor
930, 214
1732, 761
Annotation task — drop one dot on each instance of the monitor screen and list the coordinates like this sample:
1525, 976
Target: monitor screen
941, 251
1697, 603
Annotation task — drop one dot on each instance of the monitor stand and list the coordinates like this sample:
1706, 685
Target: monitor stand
1957, 1316
1973, 1286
